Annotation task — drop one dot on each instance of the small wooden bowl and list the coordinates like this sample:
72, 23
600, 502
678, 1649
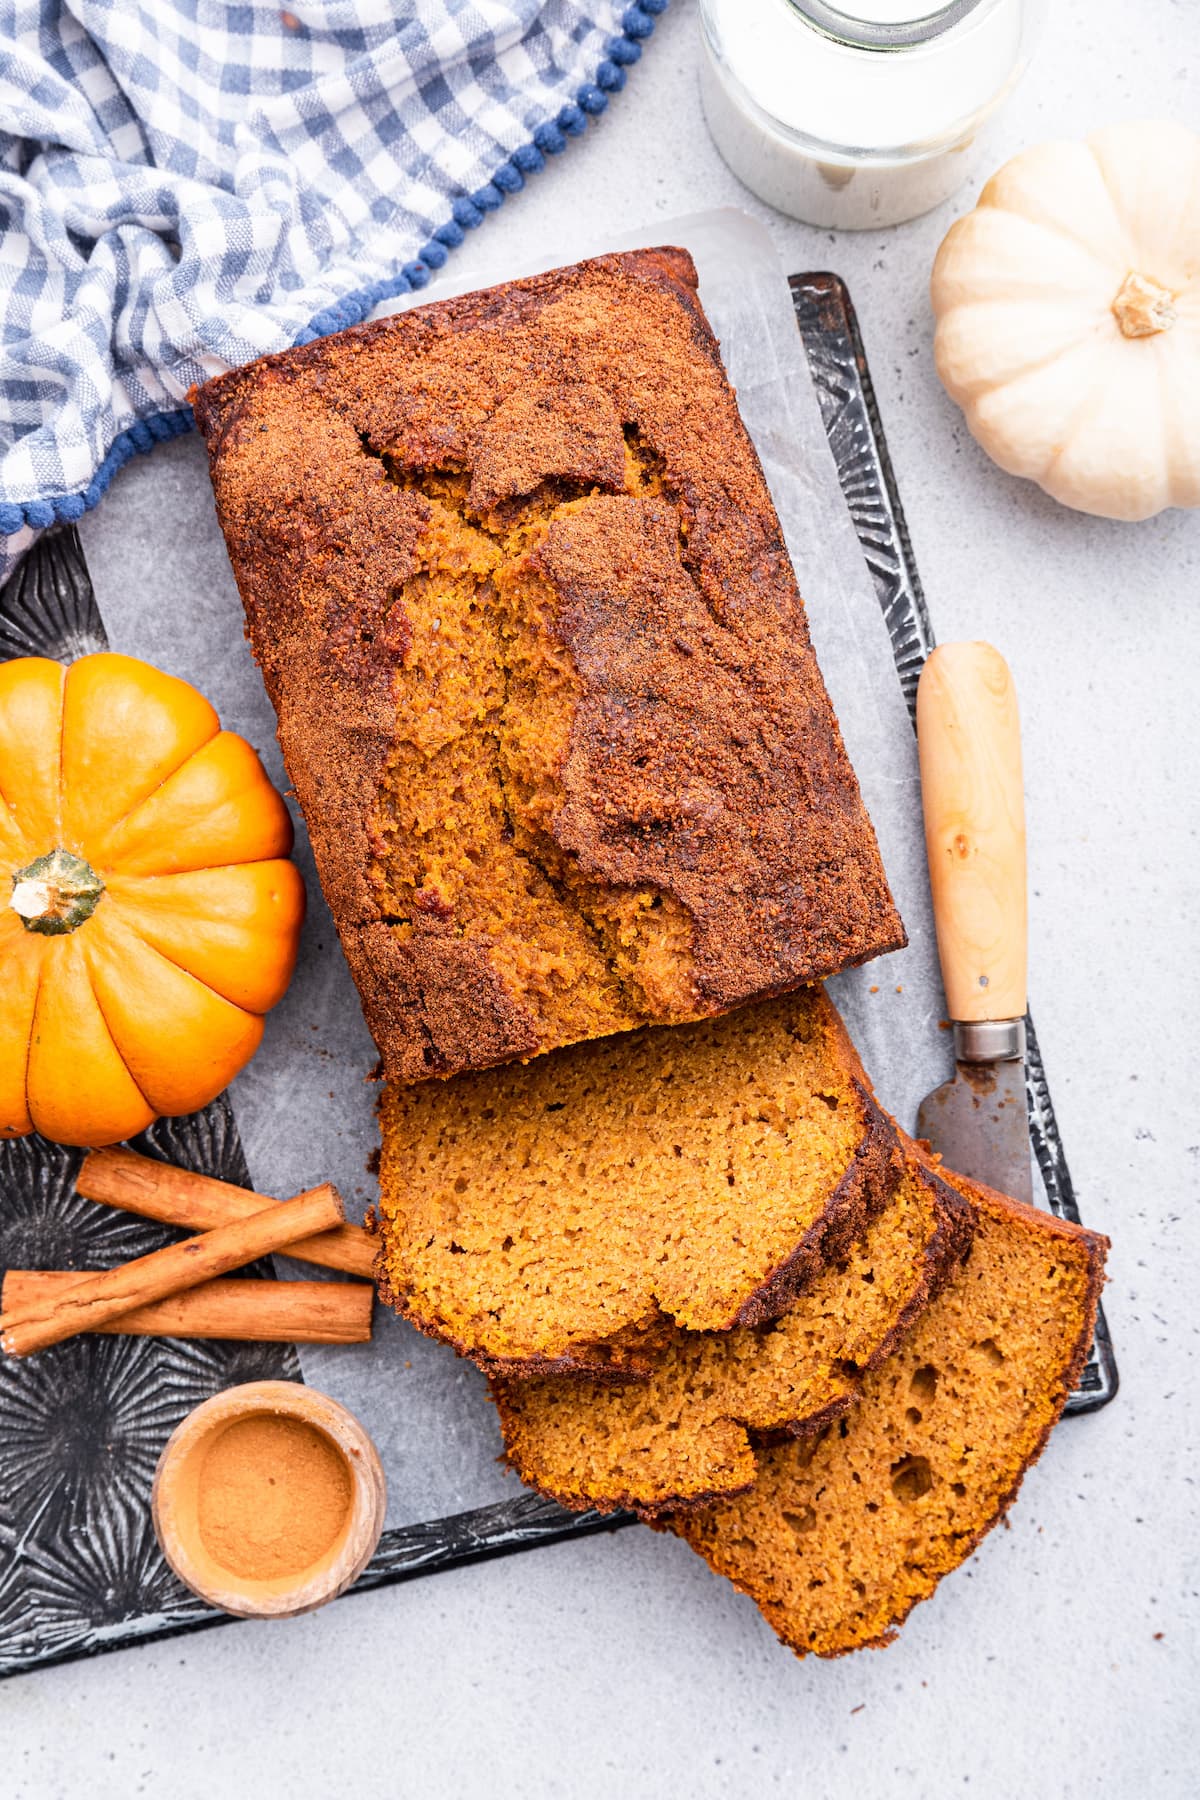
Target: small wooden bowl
175, 1501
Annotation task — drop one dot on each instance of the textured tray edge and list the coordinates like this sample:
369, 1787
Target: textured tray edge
850, 412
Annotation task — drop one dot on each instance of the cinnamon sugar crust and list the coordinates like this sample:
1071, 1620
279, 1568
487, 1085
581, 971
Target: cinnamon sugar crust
542, 673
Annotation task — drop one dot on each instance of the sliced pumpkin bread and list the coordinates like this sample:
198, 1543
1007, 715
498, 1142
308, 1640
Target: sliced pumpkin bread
843, 1533
684, 1437
563, 1215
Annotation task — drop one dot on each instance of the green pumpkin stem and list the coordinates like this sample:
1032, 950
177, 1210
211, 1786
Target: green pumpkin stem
56, 893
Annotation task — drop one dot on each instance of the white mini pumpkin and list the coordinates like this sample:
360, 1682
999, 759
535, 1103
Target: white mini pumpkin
1068, 319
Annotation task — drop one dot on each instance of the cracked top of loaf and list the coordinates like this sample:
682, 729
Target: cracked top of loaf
543, 676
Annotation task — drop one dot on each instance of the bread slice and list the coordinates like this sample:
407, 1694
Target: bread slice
684, 1437
560, 1216
543, 676
845, 1532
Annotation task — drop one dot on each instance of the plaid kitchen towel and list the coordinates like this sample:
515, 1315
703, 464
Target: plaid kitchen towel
187, 184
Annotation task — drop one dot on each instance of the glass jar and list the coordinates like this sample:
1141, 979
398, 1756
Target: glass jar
859, 113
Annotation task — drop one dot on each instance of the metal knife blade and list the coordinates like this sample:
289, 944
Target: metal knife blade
978, 1123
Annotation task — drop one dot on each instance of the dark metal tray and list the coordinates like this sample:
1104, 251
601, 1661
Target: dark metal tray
81, 1426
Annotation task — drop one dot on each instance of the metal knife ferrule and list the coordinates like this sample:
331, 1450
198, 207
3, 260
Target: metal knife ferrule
989, 1040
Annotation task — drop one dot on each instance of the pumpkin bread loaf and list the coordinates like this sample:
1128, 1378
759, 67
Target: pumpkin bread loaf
685, 1436
543, 678
559, 1216
844, 1532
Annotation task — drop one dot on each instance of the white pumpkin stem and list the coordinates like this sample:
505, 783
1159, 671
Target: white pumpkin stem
1143, 307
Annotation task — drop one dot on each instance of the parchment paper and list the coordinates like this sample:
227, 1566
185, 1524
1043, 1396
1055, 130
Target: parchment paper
305, 1107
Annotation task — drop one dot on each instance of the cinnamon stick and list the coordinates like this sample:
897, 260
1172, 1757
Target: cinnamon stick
98, 1298
260, 1312
177, 1196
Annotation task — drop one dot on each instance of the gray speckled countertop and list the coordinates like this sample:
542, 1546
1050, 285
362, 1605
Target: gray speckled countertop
1064, 1659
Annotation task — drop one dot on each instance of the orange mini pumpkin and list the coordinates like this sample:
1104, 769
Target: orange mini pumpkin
148, 914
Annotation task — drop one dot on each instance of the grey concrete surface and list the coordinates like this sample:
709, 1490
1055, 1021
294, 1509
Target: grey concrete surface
1063, 1660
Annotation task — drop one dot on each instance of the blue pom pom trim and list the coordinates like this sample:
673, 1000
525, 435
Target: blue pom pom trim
467, 213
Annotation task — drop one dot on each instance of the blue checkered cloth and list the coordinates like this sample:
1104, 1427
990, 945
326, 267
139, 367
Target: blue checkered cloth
187, 184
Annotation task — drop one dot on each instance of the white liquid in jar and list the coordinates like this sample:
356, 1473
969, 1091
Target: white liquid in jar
844, 135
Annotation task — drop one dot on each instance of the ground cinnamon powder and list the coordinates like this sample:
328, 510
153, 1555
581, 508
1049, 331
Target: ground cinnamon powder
273, 1493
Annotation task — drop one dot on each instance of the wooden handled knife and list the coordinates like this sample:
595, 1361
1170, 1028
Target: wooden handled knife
969, 739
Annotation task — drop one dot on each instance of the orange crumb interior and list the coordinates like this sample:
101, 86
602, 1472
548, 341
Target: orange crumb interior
485, 699
844, 1533
540, 1210
684, 1435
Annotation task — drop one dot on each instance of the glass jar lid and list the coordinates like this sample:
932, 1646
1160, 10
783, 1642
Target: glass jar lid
883, 24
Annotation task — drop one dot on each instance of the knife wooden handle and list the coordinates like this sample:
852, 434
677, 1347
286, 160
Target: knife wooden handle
969, 738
